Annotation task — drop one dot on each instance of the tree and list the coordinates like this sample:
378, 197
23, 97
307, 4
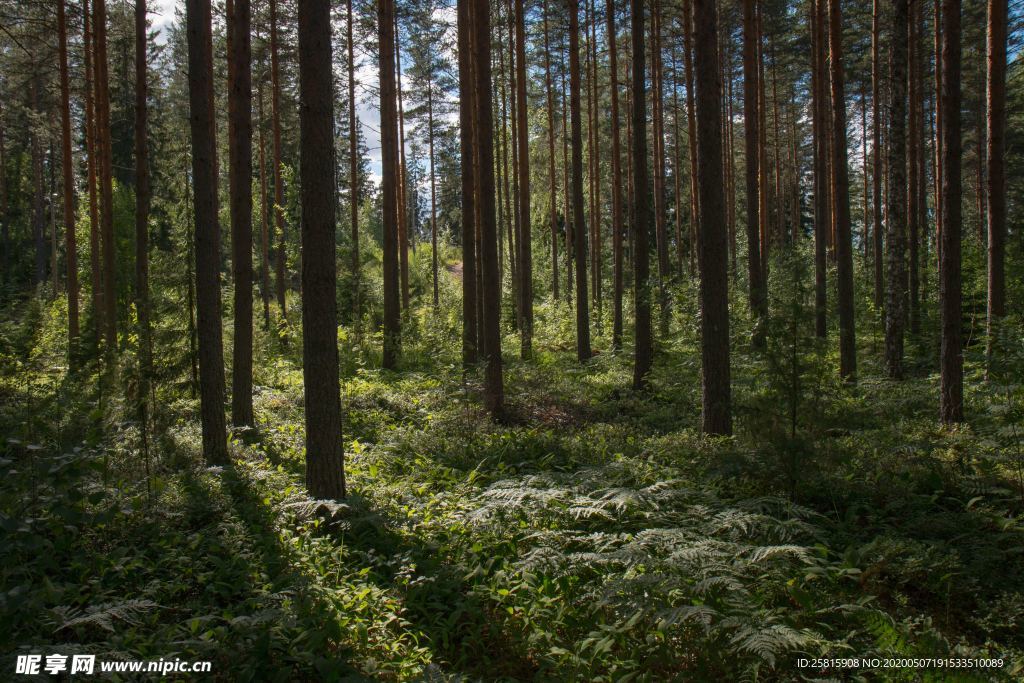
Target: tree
325, 473
275, 116
467, 137
91, 161
713, 242
643, 344
142, 200
822, 219
876, 150
207, 230
353, 170
240, 190
896, 221
951, 359
494, 392
579, 227
751, 126
391, 173
525, 256
617, 219
996, 133
841, 204
67, 176
106, 183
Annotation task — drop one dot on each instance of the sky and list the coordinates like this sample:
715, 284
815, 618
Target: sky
161, 14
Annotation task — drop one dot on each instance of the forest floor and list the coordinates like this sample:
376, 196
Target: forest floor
594, 536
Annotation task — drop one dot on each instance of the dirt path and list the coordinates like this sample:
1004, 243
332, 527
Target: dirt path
455, 269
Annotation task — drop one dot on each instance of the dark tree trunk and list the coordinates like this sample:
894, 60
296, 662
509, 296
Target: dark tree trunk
325, 468
841, 205
207, 231
752, 117
658, 144
583, 352
240, 189
551, 156
821, 183
525, 237
617, 218
142, 199
876, 154
390, 183
264, 211
641, 200
95, 273
38, 192
467, 136
106, 185
915, 173
716, 415
67, 177
996, 98
433, 191
896, 202
281, 262
494, 393
403, 182
951, 383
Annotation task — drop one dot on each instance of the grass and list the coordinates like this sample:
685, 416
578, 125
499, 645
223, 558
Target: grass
594, 536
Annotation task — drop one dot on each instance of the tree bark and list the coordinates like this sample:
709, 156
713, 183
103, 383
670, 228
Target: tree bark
67, 177
951, 380
583, 351
391, 173
643, 345
896, 214
142, 201
207, 231
240, 189
403, 179
325, 468
841, 206
716, 416
752, 117
525, 237
551, 156
106, 187
281, 261
996, 127
91, 154
467, 135
617, 218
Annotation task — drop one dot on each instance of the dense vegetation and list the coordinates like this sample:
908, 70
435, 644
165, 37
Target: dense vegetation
524, 485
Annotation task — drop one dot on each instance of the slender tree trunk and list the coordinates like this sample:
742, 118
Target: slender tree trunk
264, 214
951, 382
325, 468
841, 206
716, 417
207, 231
896, 237
617, 218
95, 272
876, 151
641, 201
915, 174
996, 100
391, 177
433, 189
751, 115
691, 130
281, 261
566, 194
658, 133
939, 136
67, 177
403, 204
38, 191
551, 155
467, 124
353, 171
525, 238
106, 187
494, 394
240, 189
583, 351
142, 200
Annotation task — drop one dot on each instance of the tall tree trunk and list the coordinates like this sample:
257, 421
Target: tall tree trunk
325, 468
403, 178
67, 177
691, 129
641, 201
551, 156
433, 189
281, 261
353, 170
391, 177
264, 213
896, 202
106, 185
996, 100
951, 382
751, 127
658, 135
467, 124
876, 150
566, 194
716, 416
142, 199
494, 394
207, 230
583, 351
240, 189
939, 137
525, 238
617, 218
95, 279
38, 191
915, 173
841, 206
